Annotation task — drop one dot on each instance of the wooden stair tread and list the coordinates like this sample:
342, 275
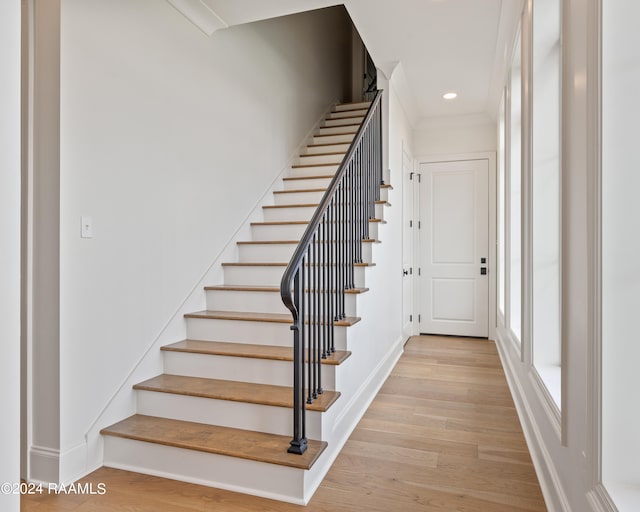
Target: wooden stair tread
271, 352
342, 125
361, 117
232, 442
319, 177
290, 206
242, 288
280, 223
250, 316
233, 391
327, 143
334, 135
300, 166
268, 242
325, 154
272, 289
296, 191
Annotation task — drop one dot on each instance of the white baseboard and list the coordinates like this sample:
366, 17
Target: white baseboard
44, 464
554, 495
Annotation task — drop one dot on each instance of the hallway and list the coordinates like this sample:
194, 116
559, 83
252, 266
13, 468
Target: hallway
442, 435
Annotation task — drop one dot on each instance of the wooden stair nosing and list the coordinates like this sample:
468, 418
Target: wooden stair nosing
250, 316
272, 289
324, 154
270, 206
298, 178
232, 391
341, 126
301, 166
303, 190
280, 223
328, 143
231, 442
335, 135
247, 350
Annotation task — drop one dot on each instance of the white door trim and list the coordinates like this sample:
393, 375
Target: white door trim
491, 157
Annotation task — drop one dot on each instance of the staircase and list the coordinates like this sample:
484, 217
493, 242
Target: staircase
221, 413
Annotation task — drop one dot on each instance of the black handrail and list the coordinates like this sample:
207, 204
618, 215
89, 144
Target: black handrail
322, 266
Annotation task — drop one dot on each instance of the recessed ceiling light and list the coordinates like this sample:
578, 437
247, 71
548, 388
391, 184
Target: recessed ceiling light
449, 95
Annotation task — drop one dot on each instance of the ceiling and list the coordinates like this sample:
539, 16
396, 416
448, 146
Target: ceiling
434, 46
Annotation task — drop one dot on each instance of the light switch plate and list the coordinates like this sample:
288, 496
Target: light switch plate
86, 230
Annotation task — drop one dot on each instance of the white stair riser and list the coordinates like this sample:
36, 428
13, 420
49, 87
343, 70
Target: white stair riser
256, 253
335, 130
384, 194
307, 183
261, 302
259, 333
347, 121
282, 252
278, 231
348, 113
225, 413
298, 198
301, 172
334, 139
234, 474
253, 276
334, 148
293, 213
352, 106
242, 369
320, 159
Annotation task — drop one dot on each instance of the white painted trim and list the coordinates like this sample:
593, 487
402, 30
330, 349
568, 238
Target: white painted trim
594, 251
200, 14
600, 501
509, 11
554, 495
43, 461
546, 400
490, 156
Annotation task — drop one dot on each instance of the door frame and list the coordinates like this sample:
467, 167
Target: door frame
492, 267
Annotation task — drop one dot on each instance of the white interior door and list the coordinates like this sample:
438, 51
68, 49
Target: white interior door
454, 243
407, 244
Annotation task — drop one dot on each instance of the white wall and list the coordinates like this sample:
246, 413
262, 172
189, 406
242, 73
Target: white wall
455, 135
620, 245
10, 258
168, 140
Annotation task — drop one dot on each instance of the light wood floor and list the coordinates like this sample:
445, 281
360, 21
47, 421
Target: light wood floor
442, 435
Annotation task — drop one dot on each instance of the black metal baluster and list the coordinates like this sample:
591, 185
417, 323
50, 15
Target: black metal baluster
322, 268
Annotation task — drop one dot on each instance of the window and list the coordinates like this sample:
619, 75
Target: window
501, 208
545, 214
515, 194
